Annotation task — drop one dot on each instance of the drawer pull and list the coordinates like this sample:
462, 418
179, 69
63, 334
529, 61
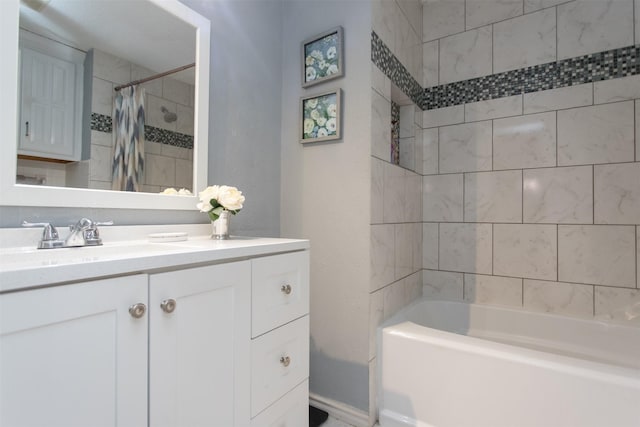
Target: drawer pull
285, 360
137, 310
286, 289
168, 305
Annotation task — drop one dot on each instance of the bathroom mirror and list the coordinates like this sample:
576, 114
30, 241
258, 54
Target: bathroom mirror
180, 36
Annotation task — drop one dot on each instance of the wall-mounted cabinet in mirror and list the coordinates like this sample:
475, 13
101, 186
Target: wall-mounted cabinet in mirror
111, 95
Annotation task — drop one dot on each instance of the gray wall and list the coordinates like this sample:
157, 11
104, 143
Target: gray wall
244, 130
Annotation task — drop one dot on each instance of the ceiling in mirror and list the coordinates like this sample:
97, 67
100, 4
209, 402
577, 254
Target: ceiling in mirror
69, 138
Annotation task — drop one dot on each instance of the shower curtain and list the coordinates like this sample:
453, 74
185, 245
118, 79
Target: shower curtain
128, 135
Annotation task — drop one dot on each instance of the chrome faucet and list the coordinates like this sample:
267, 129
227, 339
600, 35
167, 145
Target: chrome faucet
83, 233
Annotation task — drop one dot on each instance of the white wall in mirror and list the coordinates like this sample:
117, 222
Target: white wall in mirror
26, 195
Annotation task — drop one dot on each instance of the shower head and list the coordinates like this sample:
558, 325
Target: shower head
168, 115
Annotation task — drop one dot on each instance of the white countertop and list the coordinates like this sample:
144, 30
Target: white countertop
126, 250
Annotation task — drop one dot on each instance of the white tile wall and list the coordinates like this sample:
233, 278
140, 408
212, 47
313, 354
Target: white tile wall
617, 304
466, 147
528, 251
100, 164
443, 116
102, 97
509, 37
637, 20
465, 247
598, 134
377, 185
638, 131
443, 198
380, 126
556, 297
597, 254
533, 5
494, 108
525, 142
587, 26
382, 255
111, 68
617, 193
430, 71
617, 89
483, 12
492, 196
558, 195
408, 251
442, 285
493, 290
430, 245
159, 170
430, 151
558, 99
466, 55
442, 18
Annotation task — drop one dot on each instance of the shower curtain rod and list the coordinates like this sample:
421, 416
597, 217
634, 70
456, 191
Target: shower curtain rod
156, 76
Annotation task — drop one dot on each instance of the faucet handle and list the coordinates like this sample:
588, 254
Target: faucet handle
50, 238
91, 233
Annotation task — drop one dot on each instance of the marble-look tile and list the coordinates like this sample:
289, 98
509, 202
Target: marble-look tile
442, 285
102, 97
382, 255
408, 46
394, 202
593, 26
394, 298
376, 316
380, 83
184, 174
102, 138
417, 116
493, 196
465, 148
413, 197
598, 134
412, 9
638, 130
524, 41
493, 290
619, 89
430, 245
419, 149
430, 61
151, 147
558, 195
597, 254
524, 142
430, 151
637, 20
413, 287
111, 68
443, 116
100, 164
154, 115
102, 185
377, 186
442, 198
380, 126
483, 12
408, 153
533, 5
407, 121
638, 256
466, 55
569, 299
383, 20
154, 87
442, 18
528, 251
184, 123
175, 152
176, 91
617, 193
408, 251
160, 170
493, 108
558, 99
465, 247
617, 304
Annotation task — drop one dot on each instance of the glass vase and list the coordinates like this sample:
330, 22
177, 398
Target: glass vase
220, 227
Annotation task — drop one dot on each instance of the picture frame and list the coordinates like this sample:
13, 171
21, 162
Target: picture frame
320, 117
322, 57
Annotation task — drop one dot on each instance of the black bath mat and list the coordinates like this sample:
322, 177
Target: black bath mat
316, 416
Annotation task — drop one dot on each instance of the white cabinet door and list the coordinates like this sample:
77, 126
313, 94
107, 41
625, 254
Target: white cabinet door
73, 355
48, 116
199, 352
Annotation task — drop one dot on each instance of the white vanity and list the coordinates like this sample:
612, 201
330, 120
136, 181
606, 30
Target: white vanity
132, 333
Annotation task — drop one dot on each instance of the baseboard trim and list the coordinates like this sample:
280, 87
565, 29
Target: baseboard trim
339, 410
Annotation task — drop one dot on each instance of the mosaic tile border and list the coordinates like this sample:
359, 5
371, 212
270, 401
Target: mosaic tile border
590, 68
395, 133
103, 123
387, 62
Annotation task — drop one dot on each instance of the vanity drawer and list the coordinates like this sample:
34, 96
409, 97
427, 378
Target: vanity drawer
280, 290
279, 361
291, 410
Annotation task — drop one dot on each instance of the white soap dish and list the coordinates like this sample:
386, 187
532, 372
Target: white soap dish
168, 237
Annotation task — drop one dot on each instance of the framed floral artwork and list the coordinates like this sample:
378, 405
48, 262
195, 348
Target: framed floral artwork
322, 57
320, 119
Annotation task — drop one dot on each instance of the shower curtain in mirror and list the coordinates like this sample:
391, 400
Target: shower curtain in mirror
128, 135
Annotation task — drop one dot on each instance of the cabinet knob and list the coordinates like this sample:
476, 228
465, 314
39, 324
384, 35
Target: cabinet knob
285, 361
286, 289
137, 310
168, 305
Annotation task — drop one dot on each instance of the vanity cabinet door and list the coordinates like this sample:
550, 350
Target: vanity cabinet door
73, 355
199, 346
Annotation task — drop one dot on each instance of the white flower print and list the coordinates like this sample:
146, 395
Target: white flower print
332, 110
333, 69
331, 52
311, 73
308, 125
322, 132
331, 125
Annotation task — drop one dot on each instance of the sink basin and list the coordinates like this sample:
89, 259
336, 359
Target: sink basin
27, 257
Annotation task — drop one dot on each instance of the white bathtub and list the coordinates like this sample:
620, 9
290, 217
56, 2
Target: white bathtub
450, 364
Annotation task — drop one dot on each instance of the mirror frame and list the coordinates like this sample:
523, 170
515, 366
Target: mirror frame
12, 194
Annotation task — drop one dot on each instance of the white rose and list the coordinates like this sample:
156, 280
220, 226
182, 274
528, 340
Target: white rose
322, 132
312, 103
331, 52
308, 125
204, 207
230, 198
209, 193
331, 125
184, 192
317, 55
321, 121
315, 115
309, 60
323, 64
170, 191
311, 73
332, 110
333, 68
